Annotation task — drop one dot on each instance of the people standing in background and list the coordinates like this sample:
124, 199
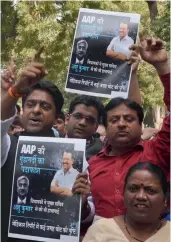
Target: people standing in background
60, 125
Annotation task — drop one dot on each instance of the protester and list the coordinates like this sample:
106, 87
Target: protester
8, 103
42, 104
145, 199
64, 179
82, 122
119, 46
60, 125
125, 148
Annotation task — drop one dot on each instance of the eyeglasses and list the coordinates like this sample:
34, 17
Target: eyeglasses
89, 120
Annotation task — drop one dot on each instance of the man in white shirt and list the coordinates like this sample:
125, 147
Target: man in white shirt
22, 189
64, 179
119, 46
81, 51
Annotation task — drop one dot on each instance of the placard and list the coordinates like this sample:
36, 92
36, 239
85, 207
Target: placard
92, 69
43, 207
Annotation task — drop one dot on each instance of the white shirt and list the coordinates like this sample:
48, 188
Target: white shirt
121, 45
80, 62
65, 180
19, 201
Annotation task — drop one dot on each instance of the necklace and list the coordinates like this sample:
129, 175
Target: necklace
161, 222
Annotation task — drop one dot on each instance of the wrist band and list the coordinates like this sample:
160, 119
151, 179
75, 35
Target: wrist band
14, 94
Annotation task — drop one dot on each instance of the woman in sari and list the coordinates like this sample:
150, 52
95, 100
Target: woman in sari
145, 199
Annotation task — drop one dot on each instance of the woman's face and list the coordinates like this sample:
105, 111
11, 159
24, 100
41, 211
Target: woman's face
143, 197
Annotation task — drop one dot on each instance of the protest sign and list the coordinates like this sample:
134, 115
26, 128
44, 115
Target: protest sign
98, 65
43, 207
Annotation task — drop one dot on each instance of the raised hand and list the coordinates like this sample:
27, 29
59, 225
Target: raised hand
31, 75
152, 50
134, 58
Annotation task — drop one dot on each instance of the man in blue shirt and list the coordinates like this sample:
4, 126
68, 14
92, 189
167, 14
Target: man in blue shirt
64, 179
119, 46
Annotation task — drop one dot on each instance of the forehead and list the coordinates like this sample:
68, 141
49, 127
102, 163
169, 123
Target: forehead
81, 44
144, 177
41, 95
86, 110
67, 155
22, 181
60, 120
120, 110
123, 26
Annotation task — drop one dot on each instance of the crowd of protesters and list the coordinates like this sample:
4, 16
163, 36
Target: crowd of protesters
125, 186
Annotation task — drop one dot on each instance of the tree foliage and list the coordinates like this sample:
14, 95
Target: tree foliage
32, 24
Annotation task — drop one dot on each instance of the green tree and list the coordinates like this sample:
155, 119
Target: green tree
32, 24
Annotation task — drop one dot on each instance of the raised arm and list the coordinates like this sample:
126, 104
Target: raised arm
29, 77
134, 91
153, 52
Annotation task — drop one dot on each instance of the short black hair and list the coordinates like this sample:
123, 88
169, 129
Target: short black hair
115, 102
62, 116
154, 169
88, 101
47, 86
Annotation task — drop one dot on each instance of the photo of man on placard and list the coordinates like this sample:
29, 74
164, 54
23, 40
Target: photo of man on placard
119, 46
81, 51
64, 178
22, 191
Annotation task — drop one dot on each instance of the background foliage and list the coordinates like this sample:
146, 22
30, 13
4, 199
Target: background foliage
28, 25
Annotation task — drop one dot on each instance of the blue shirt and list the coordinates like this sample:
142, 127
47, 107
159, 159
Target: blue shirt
65, 180
122, 45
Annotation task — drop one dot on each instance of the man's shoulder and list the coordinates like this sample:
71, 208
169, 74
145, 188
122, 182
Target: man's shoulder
130, 39
115, 38
59, 172
73, 170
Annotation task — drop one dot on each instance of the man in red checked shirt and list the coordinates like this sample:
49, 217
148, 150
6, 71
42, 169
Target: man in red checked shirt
123, 121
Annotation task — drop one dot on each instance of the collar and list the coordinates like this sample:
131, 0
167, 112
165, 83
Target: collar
125, 38
79, 61
21, 201
71, 170
105, 151
48, 133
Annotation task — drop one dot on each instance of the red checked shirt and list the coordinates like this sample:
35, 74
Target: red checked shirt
107, 173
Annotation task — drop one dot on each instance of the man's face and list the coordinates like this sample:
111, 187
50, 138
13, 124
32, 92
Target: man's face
67, 161
39, 113
82, 123
81, 50
123, 30
123, 128
22, 187
60, 126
